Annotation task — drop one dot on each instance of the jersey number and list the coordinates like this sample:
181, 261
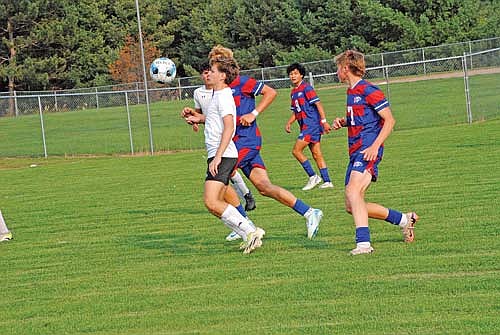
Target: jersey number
350, 111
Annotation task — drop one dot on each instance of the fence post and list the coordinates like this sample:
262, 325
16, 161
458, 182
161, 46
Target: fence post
311, 79
466, 85
43, 128
423, 59
386, 74
129, 127
15, 104
96, 99
55, 101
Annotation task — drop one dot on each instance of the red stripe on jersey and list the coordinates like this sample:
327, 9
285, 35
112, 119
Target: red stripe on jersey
353, 131
247, 88
355, 147
257, 132
374, 97
236, 138
237, 100
310, 94
358, 110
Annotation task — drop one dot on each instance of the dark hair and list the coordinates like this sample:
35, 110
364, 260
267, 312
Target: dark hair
204, 67
296, 66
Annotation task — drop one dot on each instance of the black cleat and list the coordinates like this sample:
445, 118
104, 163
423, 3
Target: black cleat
250, 202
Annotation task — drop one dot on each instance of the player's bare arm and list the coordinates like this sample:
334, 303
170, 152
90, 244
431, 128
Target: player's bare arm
326, 126
268, 95
370, 153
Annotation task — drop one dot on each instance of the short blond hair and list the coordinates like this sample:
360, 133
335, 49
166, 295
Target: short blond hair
220, 51
355, 60
226, 65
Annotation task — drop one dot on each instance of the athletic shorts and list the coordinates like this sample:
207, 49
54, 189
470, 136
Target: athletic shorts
309, 137
357, 163
226, 168
249, 159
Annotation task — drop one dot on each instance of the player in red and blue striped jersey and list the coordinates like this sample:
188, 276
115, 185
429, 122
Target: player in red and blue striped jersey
369, 121
248, 141
310, 115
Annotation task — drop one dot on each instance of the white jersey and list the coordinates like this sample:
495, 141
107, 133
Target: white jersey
202, 97
222, 104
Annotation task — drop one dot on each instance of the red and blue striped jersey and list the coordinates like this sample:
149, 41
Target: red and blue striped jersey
364, 101
303, 104
245, 89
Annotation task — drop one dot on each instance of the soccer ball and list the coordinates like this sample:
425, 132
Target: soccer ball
162, 70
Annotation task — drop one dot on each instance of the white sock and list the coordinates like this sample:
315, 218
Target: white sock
3, 226
239, 185
363, 245
308, 213
404, 220
236, 222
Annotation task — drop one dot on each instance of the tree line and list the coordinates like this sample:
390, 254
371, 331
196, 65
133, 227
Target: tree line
62, 44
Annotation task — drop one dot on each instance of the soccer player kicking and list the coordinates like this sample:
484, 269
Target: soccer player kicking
310, 115
248, 140
369, 122
202, 97
222, 155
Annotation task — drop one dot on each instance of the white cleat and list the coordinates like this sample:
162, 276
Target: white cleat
408, 229
361, 251
312, 182
233, 236
254, 241
313, 222
327, 184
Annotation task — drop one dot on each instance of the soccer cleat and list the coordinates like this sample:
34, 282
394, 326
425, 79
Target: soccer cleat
250, 202
327, 184
254, 240
408, 229
233, 236
6, 237
361, 251
313, 223
312, 182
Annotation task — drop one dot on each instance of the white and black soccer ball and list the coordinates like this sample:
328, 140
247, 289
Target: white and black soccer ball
162, 70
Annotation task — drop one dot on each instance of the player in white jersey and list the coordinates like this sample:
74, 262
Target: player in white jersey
202, 97
220, 125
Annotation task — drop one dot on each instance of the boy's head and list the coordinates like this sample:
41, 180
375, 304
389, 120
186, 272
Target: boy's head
205, 66
226, 65
296, 66
353, 60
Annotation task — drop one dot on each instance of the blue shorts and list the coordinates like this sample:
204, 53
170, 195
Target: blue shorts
357, 163
249, 159
309, 137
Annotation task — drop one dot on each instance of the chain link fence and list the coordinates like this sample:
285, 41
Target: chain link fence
112, 120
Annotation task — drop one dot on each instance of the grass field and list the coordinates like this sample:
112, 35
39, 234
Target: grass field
123, 245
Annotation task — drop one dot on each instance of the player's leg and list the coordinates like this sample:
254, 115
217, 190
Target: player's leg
406, 221
320, 162
243, 191
260, 179
298, 153
232, 198
355, 204
5, 234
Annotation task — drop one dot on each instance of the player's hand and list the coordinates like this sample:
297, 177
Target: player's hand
247, 119
187, 111
326, 127
213, 167
195, 127
288, 128
338, 123
370, 153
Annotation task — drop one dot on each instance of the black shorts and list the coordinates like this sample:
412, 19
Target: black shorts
226, 168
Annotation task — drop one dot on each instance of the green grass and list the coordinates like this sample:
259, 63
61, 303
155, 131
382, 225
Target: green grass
123, 245
419, 104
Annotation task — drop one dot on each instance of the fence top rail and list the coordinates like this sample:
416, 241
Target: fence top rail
481, 52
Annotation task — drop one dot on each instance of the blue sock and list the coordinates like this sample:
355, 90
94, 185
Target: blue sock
300, 207
394, 217
324, 175
241, 210
308, 168
362, 234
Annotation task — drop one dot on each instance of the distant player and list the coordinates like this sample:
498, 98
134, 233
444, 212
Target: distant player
220, 124
369, 122
310, 115
5, 233
248, 140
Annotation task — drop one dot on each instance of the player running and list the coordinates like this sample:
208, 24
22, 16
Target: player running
369, 122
